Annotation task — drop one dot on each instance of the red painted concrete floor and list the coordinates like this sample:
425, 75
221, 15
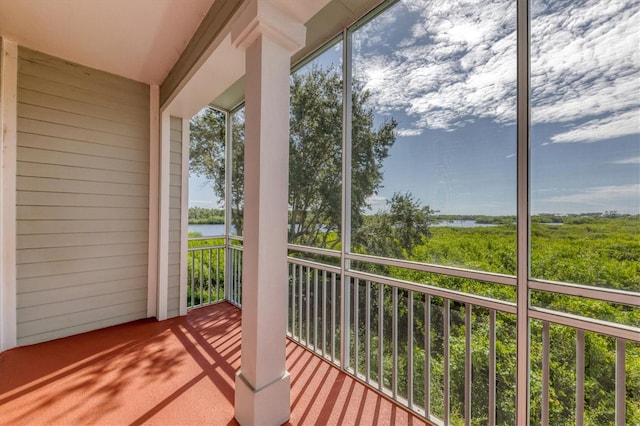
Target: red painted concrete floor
175, 372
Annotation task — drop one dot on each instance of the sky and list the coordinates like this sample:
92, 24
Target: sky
446, 72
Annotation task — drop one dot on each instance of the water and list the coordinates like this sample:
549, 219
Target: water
208, 230
462, 224
218, 229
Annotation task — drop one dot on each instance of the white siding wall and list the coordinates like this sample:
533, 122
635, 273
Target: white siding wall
82, 198
175, 194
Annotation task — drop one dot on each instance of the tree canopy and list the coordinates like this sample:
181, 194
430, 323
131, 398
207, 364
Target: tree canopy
315, 165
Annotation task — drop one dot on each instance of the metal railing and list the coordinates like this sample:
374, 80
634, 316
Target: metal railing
439, 352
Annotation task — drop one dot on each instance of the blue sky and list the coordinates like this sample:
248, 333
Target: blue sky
446, 71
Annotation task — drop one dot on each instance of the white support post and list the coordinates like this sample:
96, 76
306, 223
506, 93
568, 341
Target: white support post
154, 165
522, 336
184, 215
163, 215
269, 36
8, 162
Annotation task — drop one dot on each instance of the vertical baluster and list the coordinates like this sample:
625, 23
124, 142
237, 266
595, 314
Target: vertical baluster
300, 283
467, 364
210, 280
308, 296
410, 349
446, 314
315, 309
427, 356
324, 313
621, 389
334, 306
544, 415
356, 303
193, 273
367, 332
492, 367
579, 377
394, 344
293, 299
380, 336
218, 274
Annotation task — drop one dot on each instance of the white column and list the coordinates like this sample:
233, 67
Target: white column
184, 214
154, 165
263, 385
163, 216
8, 163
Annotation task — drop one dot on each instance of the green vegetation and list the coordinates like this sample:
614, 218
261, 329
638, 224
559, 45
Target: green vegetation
201, 216
588, 249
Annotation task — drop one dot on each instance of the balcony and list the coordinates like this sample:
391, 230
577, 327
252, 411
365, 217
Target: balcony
179, 371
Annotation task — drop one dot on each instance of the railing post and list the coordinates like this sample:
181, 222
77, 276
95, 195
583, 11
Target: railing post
228, 150
523, 120
346, 200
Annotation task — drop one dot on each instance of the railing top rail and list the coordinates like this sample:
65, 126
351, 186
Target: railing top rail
437, 269
214, 237
312, 264
587, 324
613, 295
198, 248
314, 250
498, 305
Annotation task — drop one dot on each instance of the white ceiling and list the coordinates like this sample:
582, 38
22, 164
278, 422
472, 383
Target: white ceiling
138, 39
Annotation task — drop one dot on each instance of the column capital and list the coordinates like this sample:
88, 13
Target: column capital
268, 18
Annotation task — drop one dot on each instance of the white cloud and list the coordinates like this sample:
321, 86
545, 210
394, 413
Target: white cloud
376, 202
626, 123
631, 160
206, 204
409, 132
457, 63
600, 195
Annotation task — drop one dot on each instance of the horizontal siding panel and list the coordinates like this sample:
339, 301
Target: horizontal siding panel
175, 159
81, 239
174, 214
80, 160
175, 192
52, 310
79, 265
80, 174
54, 327
37, 298
75, 120
77, 75
50, 87
174, 224
83, 109
31, 227
175, 123
69, 331
174, 247
32, 198
78, 279
82, 198
29, 256
175, 136
49, 143
38, 127
174, 269
71, 213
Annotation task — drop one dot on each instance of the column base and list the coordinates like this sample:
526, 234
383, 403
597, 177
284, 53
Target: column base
270, 405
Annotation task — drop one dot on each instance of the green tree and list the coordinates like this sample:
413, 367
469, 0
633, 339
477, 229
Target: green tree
207, 156
315, 155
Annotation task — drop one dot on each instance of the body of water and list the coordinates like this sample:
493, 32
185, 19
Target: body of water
208, 230
462, 224
218, 229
